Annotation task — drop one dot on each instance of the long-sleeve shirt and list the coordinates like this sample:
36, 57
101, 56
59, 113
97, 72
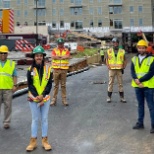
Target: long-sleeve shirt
31, 87
147, 76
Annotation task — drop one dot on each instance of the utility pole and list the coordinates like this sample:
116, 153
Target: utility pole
36, 23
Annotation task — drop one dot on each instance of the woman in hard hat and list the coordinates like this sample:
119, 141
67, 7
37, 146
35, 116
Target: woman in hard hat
142, 71
39, 79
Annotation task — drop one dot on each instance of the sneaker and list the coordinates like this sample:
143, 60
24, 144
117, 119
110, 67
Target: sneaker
6, 126
138, 126
152, 130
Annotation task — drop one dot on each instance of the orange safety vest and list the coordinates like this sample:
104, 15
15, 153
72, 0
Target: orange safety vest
115, 62
60, 64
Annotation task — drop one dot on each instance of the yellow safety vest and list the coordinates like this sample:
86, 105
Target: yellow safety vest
60, 64
6, 72
142, 70
40, 86
115, 62
102, 52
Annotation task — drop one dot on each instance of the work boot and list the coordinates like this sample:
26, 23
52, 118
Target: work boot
32, 145
46, 144
6, 126
53, 102
64, 102
122, 97
138, 126
109, 97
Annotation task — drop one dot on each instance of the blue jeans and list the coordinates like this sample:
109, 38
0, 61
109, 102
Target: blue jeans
141, 95
40, 112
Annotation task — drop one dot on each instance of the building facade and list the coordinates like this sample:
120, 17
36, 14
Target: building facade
97, 16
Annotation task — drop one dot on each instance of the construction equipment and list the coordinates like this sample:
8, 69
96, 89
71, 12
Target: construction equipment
17, 42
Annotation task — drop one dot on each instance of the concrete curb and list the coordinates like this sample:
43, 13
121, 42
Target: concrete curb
25, 90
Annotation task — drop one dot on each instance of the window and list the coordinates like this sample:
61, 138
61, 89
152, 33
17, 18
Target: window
118, 24
53, 24
54, 12
40, 12
115, 10
99, 1
131, 22
61, 12
6, 4
61, 1
131, 9
140, 9
18, 13
78, 25
140, 22
99, 11
100, 23
116, 1
91, 11
53, 1
76, 11
18, 2
72, 24
40, 3
62, 24
18, 23
91, 23
26, 13
26, 2
26, 23
91, 1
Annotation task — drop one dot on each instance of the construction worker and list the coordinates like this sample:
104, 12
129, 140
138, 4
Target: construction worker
142, 71
60, 64
102, 52
116, 62
8, 83
39, 77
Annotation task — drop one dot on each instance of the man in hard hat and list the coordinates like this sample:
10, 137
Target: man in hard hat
60, 64
142, 72
8, 83
116, 62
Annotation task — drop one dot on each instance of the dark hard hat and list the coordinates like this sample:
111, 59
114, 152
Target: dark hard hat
115, 39
60, 40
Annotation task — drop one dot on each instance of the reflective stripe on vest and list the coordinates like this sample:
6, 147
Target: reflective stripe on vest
115, 62
143, 70
40, 86
6, 72
60, 64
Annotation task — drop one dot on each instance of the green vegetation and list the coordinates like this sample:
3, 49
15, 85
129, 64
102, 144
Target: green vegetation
86, 52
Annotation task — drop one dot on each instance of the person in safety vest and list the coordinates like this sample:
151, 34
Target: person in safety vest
142, 72
60, 64
39, 77
8, 84
102, 53
116, 62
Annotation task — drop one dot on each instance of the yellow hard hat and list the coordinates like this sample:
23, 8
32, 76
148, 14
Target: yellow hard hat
4, 49
142, 43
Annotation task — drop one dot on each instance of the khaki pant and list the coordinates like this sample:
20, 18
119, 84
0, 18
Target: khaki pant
6, 98
59, 77
112, 74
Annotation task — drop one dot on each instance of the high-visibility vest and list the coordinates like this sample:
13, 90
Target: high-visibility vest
102, 52
40, 86
143, 69
60, 64
115, 62
6, 72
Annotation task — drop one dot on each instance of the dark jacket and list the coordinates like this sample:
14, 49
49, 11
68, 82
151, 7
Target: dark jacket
147, 76
31, 87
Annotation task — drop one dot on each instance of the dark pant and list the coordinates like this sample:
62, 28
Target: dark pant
141, 95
